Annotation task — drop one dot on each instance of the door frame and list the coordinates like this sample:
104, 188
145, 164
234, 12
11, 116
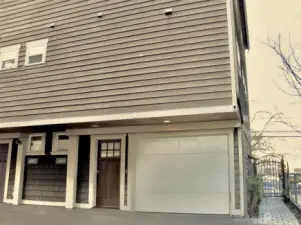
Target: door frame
94, 166
9, 142
134, 138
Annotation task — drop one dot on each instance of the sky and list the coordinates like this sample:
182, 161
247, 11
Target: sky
268, 19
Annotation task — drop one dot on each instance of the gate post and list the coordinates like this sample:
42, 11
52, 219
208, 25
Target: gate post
296, 188
283, 173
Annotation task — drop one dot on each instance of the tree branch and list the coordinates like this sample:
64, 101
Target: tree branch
289, 68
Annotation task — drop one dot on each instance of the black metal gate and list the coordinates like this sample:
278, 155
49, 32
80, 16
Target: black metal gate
272, 172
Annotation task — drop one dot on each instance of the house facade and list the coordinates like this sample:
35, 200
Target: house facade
133, 105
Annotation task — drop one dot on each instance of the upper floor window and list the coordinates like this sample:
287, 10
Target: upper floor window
36, 52
9, 57
36, 144
60, 144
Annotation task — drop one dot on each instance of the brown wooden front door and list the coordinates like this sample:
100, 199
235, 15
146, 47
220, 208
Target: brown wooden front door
3, 161
108, 178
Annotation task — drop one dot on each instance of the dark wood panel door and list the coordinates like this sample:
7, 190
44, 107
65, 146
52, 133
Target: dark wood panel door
3, 162
108, 179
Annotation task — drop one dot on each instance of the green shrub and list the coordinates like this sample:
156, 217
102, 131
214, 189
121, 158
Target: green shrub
255, 189
286, 193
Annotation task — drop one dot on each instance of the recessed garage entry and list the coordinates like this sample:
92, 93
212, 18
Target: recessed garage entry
187, 174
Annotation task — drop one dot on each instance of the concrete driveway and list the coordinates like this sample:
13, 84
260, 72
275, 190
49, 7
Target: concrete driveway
40, 215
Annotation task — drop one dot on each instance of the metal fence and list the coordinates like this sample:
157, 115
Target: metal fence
271, 171
294, 188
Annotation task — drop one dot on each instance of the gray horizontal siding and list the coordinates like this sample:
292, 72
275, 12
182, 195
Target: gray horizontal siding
80, 11
98, 104
35, 72
109, 22
134, 58
203, 59
136, 87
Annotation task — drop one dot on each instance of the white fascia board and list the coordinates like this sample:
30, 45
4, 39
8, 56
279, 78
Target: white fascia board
123, 116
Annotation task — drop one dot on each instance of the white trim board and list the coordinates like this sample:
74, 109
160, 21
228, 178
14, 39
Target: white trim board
9, 201
231, 173
43, 203
72, 171
232, 50
7, 169
82, 206
19, 172
236, 212
124, 116
9, 135
157, 128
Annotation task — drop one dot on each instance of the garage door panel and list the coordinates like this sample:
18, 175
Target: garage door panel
216, 183
183, 145
215, 163
164, 175
204, 144
204, 204
183, 174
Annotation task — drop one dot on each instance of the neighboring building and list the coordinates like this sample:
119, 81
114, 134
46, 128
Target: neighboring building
136, 105
297, 170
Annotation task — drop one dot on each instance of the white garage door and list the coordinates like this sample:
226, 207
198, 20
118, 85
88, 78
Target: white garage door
183, 175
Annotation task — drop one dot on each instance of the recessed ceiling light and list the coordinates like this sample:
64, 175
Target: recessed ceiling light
95, 125
166, 121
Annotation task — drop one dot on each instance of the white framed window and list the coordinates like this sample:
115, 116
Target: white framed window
32, 161
9, 57
36, 144
36, 52
60, 144
61, 161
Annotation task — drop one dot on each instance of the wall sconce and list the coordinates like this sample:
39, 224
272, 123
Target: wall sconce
18, 142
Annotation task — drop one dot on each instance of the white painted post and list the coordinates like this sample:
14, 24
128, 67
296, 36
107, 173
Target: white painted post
71, 182
93, 172
19, 175
10, 144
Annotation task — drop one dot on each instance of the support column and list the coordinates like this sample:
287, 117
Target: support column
93, 172
19, 177
71, 182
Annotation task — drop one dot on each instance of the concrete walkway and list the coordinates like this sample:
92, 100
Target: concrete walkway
274, 212
40, 215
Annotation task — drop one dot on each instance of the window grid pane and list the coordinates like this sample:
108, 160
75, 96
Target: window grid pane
109, 149
35, 58
110, 146
117, 145
7, 64
36, 144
